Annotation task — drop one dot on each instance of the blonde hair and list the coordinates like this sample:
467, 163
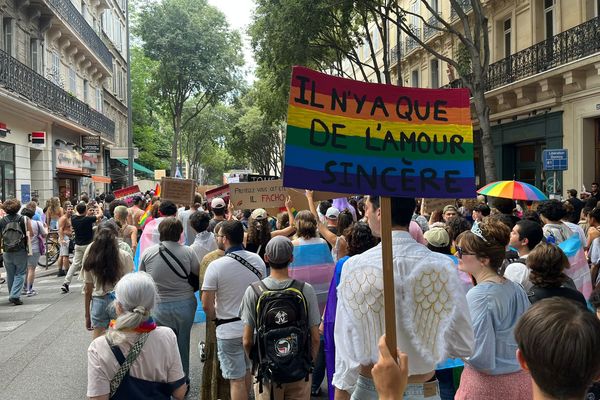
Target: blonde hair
306, 225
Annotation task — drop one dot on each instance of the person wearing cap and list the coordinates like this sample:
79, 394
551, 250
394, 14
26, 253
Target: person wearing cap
331, 216
218, 208
259, 229
449, 211
278, 255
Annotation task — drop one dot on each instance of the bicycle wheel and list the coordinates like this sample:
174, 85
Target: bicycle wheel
52, 253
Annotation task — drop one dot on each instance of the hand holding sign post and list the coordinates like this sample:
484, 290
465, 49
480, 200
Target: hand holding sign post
355, 137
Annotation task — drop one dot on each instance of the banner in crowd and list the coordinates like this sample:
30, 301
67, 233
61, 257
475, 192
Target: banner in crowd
128, 191
355, 137
260, 194
179, 191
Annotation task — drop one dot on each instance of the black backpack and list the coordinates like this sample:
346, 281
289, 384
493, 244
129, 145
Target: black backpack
283, 336
13, 235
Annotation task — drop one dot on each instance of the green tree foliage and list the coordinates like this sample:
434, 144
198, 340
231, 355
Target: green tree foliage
154, 146
198, 60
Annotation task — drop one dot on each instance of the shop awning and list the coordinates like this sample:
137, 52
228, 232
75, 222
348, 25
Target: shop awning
101, 179
136, 166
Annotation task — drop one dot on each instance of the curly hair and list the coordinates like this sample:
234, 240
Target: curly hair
283, 220
456, 226
359, 238
103, 257
259, 232
553, 210
546, 263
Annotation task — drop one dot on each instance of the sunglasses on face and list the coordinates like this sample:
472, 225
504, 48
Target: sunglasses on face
460, 252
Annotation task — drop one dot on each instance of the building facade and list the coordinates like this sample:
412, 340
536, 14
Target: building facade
543, 82
63, 97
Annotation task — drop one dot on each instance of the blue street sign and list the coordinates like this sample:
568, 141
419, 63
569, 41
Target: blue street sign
555, 160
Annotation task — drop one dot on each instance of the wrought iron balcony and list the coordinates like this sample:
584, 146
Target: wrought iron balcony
411, 43
67, 11
430, 31
571, 45
578, 42
394, 55
19, 78
464, 4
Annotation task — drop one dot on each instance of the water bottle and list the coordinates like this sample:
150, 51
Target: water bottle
551, 239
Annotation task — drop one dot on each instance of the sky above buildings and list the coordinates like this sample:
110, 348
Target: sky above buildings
238, 13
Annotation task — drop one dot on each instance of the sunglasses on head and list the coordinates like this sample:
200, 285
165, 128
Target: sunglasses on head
460, 252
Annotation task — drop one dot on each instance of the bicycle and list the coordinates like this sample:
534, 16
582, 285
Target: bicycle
52, 250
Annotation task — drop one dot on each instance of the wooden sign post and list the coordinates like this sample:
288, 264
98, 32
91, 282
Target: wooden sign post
389, 291
346, 136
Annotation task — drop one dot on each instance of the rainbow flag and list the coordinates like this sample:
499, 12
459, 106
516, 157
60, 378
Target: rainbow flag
579, 270
157, 190
314, 264
145, 216
356, 137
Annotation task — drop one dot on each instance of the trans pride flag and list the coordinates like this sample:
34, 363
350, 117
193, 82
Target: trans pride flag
579, 270
313, 264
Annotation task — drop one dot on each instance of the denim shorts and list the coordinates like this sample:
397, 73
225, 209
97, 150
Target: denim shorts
365, 390
233, 359
102, 310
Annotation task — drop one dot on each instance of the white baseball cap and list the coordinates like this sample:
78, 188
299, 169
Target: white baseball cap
332, 213
217, 202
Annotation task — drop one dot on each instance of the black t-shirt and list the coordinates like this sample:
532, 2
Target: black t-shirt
538, 293
83, 227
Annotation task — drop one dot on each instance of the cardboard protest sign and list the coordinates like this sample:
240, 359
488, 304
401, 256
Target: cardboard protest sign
356, 137
430, 205
221, 191
128, 191
260, 194
179, 191
202, 189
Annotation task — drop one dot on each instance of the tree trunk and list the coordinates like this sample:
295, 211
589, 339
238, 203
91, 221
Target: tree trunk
176, 133
483, 115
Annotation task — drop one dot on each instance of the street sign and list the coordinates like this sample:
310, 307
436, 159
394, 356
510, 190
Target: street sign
90, 144
555, 160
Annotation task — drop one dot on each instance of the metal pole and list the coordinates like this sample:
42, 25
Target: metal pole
129, 117
398, 49
554, 184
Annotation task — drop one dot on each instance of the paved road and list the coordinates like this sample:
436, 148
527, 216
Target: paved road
43, 345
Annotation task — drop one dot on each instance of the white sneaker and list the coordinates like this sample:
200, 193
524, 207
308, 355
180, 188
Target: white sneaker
32, 292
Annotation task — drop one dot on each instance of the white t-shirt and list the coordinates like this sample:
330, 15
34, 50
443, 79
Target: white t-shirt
230, 279
159, 360
519, 273
595, 251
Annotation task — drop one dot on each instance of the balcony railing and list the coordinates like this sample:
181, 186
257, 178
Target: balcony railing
67, 11
464, 4
430, 31
571, 45
21, 79
411, 43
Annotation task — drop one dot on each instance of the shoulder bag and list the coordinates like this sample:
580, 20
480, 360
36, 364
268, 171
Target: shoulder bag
246, 264
193, 279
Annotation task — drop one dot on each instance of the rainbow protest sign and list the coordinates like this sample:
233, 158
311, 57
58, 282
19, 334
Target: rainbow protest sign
355, 137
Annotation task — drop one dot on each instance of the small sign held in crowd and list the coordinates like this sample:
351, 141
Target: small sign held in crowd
179, 191
259, 194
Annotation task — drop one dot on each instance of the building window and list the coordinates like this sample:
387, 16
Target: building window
415, 78
549, 18
35, 54
375, 39
8, 34
435, 74
434, 5
72, 82
507, 34
7, 171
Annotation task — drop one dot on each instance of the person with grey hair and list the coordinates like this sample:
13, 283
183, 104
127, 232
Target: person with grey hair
153, 365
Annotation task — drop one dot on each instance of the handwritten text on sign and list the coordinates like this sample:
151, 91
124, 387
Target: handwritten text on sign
261, 194
355, 137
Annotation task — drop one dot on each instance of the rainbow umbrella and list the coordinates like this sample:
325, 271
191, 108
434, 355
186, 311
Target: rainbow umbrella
515, 190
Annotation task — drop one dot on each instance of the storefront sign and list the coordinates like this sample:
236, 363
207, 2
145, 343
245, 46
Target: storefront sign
89, 161
69, 160
90, 144
179, 191
357, 137
38, 139
128, 191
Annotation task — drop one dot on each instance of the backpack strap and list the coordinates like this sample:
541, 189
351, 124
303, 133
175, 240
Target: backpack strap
162, 248
246, 264
123, 370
